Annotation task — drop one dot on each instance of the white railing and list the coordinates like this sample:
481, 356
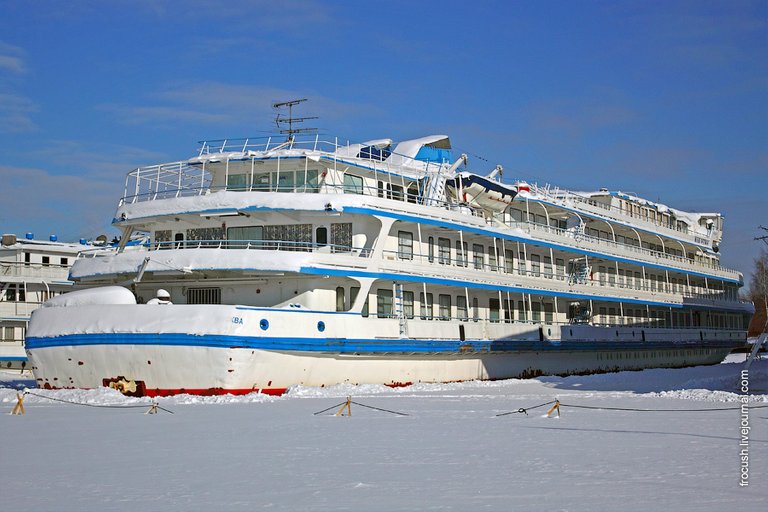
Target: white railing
32, 271
183, 178
564, 196
254, 245
652, 256
556, 273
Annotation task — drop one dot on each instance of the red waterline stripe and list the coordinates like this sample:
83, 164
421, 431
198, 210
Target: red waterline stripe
212, 391
152, 393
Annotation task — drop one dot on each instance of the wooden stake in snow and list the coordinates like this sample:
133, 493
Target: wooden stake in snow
555, 407
348, 406
18, 409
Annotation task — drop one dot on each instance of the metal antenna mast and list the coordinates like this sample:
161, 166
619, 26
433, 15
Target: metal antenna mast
281, 121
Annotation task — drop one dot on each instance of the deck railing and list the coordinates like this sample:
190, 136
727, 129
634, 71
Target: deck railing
255, 245
33, 271
564, 196
558, 273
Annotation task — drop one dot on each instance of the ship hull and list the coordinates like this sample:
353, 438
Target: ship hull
226, 349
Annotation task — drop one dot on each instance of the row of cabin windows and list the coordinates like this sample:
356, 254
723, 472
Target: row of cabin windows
296, 236
498, 310
17, 293
482, 257
44, 260
539, 265
283, 181
9, 333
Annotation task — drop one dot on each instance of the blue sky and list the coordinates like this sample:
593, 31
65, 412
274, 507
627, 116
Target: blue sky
665, 99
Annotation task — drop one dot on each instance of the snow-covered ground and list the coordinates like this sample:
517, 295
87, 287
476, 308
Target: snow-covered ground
451, 452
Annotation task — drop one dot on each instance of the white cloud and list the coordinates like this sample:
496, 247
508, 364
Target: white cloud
71, 206
15, 113
230, 104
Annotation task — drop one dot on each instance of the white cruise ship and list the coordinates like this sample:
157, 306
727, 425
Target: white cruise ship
276, 263
31, 272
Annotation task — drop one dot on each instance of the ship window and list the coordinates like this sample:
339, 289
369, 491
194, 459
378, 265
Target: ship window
547, 267
492, 260
285, 181
549, 311
536, 311
162, 237
365, 313
306, 181
261, 181
413, 193
509, 261
353, 184
444, 251
209, 237
508, 314
535, 265
478, 256
204, 296
445, 307
321, 236
408, 304
339, 298
9, 333
395, 192
560, 268
341, 236
405, 245
380, 188
493, 310
427, 306
461, 253
46, 260
237, 182
384, 303
290, 237
238, 237
461, 308
431, 249
64, 261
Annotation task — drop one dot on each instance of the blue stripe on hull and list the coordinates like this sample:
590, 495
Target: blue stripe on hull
361, 346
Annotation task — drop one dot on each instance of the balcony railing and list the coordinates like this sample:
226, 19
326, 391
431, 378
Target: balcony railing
254, 245
553, 272
32, 271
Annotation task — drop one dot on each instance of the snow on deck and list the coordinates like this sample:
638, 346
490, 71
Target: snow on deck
450, 453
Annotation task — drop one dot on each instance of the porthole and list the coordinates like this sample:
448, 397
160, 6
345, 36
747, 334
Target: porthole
321, 326
264, 324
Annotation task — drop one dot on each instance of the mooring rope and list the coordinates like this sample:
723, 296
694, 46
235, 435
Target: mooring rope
345, 402
631, 409
526, 409
102, 406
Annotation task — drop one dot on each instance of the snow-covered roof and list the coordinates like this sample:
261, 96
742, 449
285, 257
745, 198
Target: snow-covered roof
692, 218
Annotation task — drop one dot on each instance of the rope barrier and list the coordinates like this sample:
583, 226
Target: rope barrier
525, 409
153, 407
558, 404
347, 405
573, 406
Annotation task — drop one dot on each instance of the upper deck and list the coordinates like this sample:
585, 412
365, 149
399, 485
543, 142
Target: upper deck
408, 172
